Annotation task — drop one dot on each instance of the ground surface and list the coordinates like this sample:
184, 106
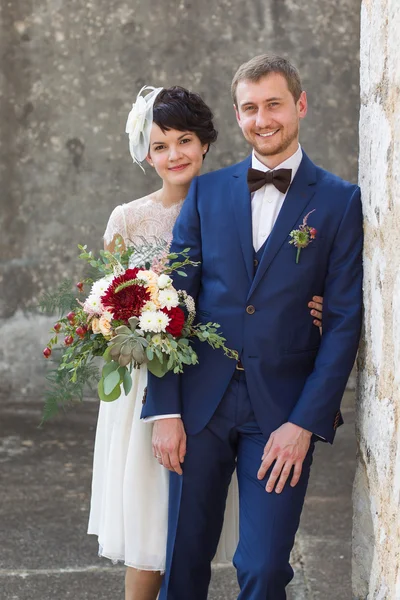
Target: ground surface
44, 500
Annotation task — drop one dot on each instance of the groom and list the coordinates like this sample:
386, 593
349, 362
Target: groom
264, 413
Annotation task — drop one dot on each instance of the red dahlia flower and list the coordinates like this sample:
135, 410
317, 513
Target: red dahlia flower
177, 320
129, 301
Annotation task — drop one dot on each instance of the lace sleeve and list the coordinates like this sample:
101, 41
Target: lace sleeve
116, 225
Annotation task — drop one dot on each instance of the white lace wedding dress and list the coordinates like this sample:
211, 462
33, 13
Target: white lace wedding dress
129, 503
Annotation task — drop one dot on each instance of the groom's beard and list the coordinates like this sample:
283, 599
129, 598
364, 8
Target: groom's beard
272, 147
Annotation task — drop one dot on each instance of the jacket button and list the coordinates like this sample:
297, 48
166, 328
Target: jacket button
250, 309
255, 262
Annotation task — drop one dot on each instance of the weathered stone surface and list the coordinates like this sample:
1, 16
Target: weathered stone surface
44, 505
376, 573
68, 75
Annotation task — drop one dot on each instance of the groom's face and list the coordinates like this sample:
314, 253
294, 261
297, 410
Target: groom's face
269, 117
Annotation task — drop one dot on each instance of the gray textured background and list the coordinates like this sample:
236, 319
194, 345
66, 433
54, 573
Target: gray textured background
69, 73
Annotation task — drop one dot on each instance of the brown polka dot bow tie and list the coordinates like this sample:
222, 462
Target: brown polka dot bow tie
280, 178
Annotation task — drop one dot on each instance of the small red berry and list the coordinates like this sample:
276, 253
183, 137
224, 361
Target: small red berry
313, 233
71, 317
68, 340
57, 327
81, 331
79, 285
47, 352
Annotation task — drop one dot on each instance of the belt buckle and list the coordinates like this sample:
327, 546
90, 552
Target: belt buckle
239, 366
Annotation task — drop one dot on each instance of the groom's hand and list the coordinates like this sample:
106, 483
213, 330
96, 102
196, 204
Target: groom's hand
287, 446
169, 443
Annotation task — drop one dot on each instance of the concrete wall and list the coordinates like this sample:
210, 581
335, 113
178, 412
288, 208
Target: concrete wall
376, 565
69, 72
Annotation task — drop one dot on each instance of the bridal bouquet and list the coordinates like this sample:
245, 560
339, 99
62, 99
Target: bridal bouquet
132, 315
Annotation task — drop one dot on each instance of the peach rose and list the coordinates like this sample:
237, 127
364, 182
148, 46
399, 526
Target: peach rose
151, 280
105, 324
95, 325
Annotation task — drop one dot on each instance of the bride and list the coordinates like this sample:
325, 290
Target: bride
173, 130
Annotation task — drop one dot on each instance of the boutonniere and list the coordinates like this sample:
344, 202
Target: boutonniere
303, 236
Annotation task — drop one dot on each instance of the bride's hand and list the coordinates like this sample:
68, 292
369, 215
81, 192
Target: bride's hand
316, 312
169, 443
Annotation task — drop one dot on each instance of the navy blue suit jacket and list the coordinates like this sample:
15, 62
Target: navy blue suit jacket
293, 374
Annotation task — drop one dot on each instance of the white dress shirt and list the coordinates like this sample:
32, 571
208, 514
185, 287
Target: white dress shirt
266, 204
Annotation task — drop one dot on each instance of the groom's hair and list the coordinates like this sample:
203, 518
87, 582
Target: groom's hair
263, 65
178, 108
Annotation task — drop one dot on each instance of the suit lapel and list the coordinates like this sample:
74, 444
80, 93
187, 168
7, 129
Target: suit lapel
240, 197
299, 195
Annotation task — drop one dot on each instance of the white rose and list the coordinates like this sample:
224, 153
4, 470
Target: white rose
143, 276
164, 281
136, 120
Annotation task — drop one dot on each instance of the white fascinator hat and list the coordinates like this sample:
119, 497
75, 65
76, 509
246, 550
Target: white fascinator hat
140, 120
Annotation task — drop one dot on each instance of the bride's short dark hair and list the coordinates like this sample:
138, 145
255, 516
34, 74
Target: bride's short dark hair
177, 108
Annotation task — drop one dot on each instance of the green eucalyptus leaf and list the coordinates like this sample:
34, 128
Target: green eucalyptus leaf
109, 368
110, 382
159, 354
127, 382
107, 397
157, 368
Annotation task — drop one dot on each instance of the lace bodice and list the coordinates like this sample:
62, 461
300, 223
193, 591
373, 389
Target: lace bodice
145, 218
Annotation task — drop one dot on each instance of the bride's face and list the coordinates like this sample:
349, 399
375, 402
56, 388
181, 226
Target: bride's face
177, 156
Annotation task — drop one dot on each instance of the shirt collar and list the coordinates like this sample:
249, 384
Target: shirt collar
293, 162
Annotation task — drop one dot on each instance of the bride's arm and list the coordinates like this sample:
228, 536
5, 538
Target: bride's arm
163, 394
110, 246
116, 229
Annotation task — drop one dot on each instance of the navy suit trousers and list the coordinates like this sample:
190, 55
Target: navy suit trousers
268, 521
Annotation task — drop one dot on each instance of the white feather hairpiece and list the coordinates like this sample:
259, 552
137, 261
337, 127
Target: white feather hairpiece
138, 125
